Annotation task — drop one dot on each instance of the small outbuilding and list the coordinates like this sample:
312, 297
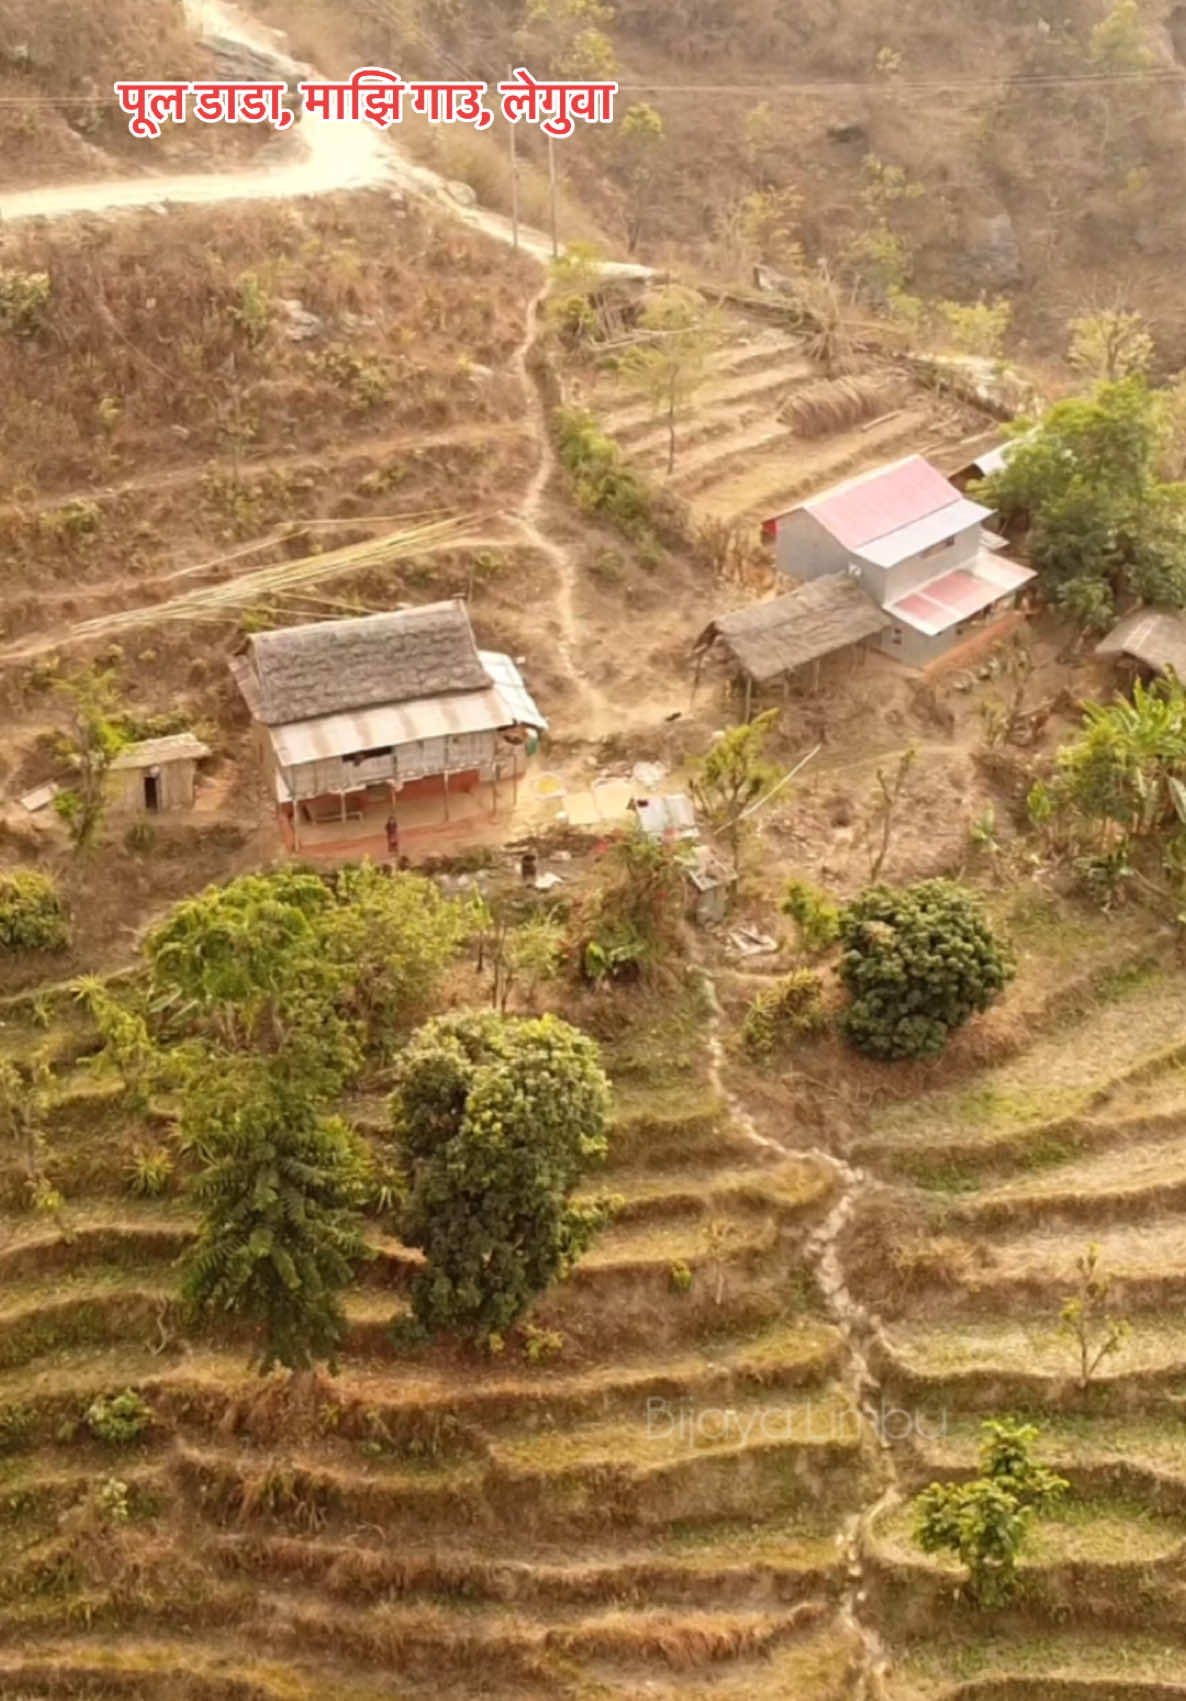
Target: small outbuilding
1150, 640
770, 641
156, 774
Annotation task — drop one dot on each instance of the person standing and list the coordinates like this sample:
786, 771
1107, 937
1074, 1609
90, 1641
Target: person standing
392, 838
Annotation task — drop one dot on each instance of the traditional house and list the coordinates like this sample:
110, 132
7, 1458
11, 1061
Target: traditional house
915, 546
156, 774
355, 714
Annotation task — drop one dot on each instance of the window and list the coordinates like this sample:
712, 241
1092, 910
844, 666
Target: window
896, 634
360, 756
937, 549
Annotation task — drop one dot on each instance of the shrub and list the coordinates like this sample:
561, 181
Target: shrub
984, 1522
794, 1006
24, 300
149, 1173
815, 916
118, 1418
918, 962
32, 914
600, 479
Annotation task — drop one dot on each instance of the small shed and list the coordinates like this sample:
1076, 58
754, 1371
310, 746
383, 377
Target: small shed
712, 886
1153, 640
157, 773
666, 817
771, 640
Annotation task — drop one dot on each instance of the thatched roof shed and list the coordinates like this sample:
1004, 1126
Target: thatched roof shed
304, 672
1157, 641
770, 639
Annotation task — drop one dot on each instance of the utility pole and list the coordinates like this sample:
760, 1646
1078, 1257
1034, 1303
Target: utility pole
514, 176
552, 194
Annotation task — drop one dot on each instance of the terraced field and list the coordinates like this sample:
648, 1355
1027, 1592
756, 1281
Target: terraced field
766, 429
661, 1508
979, 1198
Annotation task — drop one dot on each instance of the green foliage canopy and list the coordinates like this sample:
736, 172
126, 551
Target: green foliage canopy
497, 1121
32, 914
1103, 528
984, 1522
917, 962
279, 1195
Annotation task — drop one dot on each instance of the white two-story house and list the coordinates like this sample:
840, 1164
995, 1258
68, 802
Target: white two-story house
918, 548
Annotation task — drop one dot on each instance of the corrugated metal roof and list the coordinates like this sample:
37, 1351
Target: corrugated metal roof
508, 682
152, 752
658, 816
945, 601
884, 501
389, 724
505, 702
944, 523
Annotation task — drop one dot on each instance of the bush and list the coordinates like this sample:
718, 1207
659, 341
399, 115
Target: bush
32, 914
794, 1006
816, 917
599, 476
24, 301
918, 962
118, 1418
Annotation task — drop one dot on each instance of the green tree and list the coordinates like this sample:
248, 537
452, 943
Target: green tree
985, 1522
279, 1195
917, 963
391, 937
641, 139
94, 739
497, 1121
669, 364
979, 327
1110, 345
246, 967
1102, 525
732, 774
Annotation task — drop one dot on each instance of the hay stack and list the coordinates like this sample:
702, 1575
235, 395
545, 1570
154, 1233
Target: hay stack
837, 404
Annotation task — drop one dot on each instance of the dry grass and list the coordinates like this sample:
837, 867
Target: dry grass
132, 368
830, 405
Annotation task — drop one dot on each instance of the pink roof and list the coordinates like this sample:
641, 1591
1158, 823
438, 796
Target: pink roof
879, 502
956, 596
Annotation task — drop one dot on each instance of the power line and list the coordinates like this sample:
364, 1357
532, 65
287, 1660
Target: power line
881, 85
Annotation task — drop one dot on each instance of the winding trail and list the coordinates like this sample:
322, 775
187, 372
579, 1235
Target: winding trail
854, 1322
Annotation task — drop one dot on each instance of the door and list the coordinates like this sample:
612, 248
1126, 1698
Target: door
152, 791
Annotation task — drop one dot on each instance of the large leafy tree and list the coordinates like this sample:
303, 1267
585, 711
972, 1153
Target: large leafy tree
918, 962
497, 1120
279, 1195
277, 984
1104, 530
